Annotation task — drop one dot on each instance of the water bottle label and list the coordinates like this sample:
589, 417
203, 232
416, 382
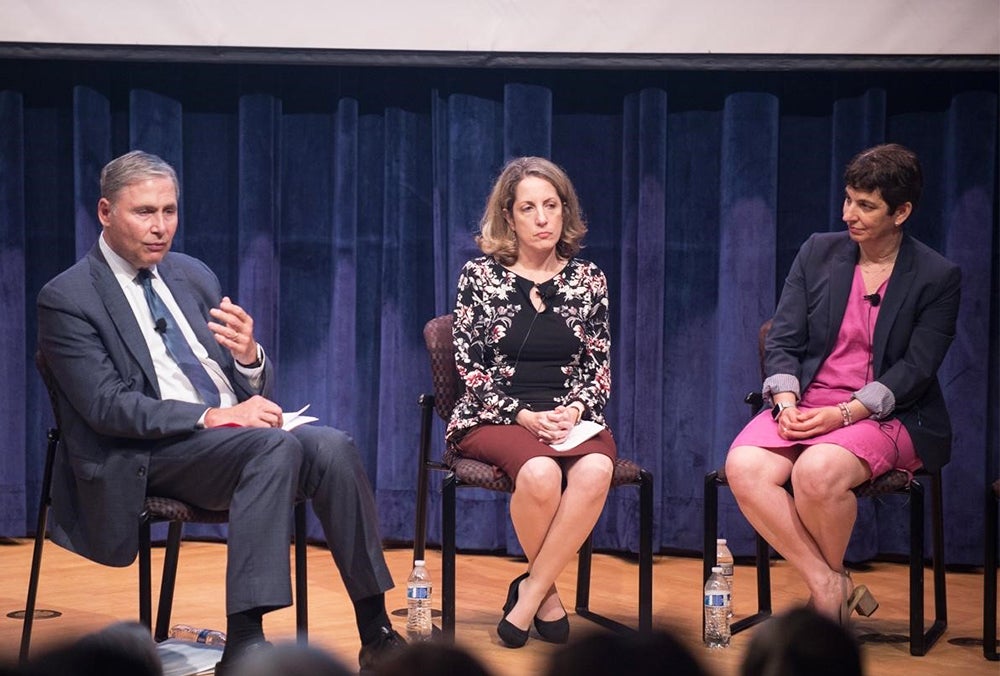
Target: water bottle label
418, 592
203, 635
727, 569
717, 599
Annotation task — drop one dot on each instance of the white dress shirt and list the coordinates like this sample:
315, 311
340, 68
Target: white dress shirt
172, 382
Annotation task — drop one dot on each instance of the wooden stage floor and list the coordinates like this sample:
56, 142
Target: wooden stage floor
90, 596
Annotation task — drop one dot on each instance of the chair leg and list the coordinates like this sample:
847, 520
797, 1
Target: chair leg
762, 563
301, 586
44, 501
583, 578
145, 574
990, 575
645, 551
920, 640
29, 606
645, 598
448, 556
710, 524
426, 402
36, 569
763, 566
916, 569
167, 584
583, 569
937, 535
763, 557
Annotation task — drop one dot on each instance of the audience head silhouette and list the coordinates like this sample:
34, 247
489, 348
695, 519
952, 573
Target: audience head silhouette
645, 653
802, 642
432, 658
122, 648
289, 659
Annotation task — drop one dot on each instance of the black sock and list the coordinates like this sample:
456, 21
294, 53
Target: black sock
371, 616
244, 628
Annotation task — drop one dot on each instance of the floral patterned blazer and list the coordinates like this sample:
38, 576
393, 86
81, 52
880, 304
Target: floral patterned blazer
488, 300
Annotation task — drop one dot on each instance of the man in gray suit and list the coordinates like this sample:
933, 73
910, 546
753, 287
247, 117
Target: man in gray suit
163, 390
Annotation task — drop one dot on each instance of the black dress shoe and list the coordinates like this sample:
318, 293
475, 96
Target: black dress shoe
374, 652
233, 656
512, 636
553, 631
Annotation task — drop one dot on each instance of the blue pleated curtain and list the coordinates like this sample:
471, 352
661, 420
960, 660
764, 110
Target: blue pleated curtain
338, 205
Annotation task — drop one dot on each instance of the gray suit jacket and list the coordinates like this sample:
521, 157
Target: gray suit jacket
915, 327
108, 404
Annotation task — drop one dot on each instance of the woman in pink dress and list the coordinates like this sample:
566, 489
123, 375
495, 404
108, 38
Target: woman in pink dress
864, 320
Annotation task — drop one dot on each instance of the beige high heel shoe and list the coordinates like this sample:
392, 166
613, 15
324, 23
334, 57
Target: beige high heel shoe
859, 599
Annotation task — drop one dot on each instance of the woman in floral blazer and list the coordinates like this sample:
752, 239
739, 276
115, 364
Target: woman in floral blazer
532, 344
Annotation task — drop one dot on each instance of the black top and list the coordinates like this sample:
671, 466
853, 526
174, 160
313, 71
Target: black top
538, 345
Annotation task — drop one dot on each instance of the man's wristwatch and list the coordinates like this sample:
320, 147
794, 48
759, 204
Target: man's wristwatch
256, 363
778, 408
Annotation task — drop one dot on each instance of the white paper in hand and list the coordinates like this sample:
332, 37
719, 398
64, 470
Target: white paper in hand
292, 420
579, 434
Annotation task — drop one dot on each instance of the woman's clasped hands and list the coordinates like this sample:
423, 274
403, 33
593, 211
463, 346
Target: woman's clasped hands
798, 423
550, 427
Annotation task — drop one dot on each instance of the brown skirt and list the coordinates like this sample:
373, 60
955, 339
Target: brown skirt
510, 446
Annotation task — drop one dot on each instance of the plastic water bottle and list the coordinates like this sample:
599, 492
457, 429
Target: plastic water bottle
418, 603
186, 632
724, 560
717, 610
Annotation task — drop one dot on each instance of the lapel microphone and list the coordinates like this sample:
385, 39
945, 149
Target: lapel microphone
545, 292
161, 325
873, 298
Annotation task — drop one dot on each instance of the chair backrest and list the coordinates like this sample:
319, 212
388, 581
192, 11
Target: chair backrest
448, 386
50, 383
761, 340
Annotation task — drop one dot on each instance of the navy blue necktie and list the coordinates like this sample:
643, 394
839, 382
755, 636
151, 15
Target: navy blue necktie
177, 346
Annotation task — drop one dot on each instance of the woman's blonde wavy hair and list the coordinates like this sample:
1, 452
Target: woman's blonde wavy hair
496, 234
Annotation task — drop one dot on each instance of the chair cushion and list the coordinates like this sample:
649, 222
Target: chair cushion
484, 475
626, 472
481, 475
168, 509
892, 481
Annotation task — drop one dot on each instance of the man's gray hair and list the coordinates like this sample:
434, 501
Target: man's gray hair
131, 168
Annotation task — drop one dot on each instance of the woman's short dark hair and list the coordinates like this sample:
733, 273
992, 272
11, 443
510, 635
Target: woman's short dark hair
496, 235
892, 169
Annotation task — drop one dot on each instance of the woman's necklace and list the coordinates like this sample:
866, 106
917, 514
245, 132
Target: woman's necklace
878, 262
877, 268
876, 272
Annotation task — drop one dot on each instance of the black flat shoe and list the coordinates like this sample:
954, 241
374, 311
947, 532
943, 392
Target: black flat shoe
553, 631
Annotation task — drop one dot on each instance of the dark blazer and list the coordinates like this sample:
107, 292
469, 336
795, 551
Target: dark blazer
110, 414
915, 327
